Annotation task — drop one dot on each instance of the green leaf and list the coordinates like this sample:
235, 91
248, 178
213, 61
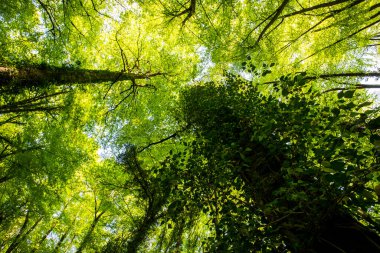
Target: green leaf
329, 170
338, 165
364, 104
349, 94
285, 92
374, 124
335, 111
326, 164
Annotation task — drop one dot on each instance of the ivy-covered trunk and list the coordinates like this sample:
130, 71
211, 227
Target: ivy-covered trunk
297, 180
315, 226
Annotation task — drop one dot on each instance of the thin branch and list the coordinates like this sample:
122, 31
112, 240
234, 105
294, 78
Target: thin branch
273, 19
355, 87
6, 140
163, 140
353, 74
262, 22
335, 75
2, 156
190, 11
315, 7
333, 245
5, 178
340, 40
284, 217
15, 241
76, 28
320, 22
51, 18
96, 10
29, 101
112, 84
10, 120
374, 6
158, 142
87, 14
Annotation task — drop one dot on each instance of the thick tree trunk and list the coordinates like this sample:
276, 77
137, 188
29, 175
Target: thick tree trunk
343, 233
39, 76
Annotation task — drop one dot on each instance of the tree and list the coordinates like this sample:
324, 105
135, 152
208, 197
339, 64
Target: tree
295, 176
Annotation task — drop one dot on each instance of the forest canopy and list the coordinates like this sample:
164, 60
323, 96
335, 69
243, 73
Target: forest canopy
189, 126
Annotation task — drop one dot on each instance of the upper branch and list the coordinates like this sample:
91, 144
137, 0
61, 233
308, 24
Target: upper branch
190, 11
273, 19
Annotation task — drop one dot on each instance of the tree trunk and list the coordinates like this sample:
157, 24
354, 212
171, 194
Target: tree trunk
88, 235
19, 234
40, 76
141, 232
343, 233
61, 239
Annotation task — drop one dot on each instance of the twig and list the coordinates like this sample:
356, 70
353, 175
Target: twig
158, 142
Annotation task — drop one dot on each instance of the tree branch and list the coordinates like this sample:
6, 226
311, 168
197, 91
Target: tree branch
342, 39
355, 87
158, 142
315, 7
190, 11
273, 19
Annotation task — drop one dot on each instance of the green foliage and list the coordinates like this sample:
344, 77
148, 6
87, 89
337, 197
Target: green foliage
266, 168
239, 126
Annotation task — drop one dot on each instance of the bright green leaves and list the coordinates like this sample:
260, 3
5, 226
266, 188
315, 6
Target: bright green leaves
230, 165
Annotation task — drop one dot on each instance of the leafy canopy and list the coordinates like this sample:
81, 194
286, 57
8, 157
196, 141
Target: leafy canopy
193, 126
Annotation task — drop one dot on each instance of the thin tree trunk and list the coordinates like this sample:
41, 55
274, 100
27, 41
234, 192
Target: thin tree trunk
43, 238
61, 239
89, 232
15, 240
20, 235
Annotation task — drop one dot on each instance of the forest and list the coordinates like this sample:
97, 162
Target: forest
189, 126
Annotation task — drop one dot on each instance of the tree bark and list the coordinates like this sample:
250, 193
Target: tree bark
61, 239
39, 76
19, 234
88, 235
140, 234
343, 233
